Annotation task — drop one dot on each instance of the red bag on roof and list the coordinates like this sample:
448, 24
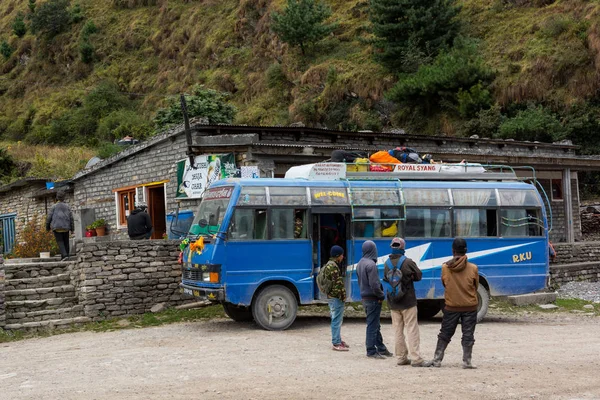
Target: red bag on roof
383, 157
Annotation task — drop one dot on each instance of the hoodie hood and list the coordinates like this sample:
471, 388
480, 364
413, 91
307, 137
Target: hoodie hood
457, 264
369, 250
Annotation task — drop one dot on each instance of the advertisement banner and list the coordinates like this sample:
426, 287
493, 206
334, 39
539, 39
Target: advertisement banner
192, 182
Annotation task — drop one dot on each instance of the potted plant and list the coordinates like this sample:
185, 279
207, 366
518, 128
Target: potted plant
90, 231
100, 227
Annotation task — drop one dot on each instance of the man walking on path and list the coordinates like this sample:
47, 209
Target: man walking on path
371, 293
336, 296
461, 280
404, 308
60, 221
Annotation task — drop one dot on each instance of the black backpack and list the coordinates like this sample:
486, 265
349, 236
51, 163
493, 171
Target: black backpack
393, 278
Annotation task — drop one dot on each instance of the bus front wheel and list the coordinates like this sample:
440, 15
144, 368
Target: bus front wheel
427, 309
237, 313
483, 297
274, 308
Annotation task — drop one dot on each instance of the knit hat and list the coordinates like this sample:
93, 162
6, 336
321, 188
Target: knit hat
336, 251
398, 243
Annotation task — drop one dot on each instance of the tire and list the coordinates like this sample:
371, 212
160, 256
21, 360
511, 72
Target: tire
275, 308
483, 297
428, 309
237, 313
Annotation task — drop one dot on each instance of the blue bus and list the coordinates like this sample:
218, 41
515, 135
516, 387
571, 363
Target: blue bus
264, 240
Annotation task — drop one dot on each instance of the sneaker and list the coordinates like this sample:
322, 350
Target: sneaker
386, 353
346, 345
339, 347
405, 361
376, 356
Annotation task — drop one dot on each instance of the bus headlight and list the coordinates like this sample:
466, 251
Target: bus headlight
211, 277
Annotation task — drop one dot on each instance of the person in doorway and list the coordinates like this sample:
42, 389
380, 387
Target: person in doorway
336, 296
404, 308
371, 293
60, 221
461, 280
139, 224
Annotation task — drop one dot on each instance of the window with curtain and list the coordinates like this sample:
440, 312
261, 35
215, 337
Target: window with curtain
426, 197
425, 222
475, 222
519, 198
521, 222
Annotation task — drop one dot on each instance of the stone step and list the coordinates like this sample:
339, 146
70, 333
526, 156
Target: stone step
38, 305
40, 293
49, 323
532, 298
39, 282
36, 270
32, 316
12, 261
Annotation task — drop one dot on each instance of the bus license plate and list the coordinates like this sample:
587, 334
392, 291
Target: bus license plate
191, 292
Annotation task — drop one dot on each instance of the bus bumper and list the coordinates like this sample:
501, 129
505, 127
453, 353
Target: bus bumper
215, 295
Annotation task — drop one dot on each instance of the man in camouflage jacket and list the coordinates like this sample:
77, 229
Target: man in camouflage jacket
336, 296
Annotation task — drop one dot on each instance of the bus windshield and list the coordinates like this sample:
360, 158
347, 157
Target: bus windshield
212, 209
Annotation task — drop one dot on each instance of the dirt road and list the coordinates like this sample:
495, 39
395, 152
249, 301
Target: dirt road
549, 357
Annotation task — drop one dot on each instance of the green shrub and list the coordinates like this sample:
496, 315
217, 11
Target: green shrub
108, 149
104, 99
88, 29
31, 5
485, 124
534, 123
34, 239
86, 52
77, 14
18, 26
207, 103
6, 50
275, 76
121, 123
51, 18
555, 25
7, 164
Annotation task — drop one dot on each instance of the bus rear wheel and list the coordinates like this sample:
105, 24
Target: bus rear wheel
275, 308
483, 297
237, 313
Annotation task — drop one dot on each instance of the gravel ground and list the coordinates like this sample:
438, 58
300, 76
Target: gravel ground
536, 356
589, 291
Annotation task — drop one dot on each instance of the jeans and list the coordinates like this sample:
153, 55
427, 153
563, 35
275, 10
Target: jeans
374, 341
467, 319
62, 239
336, 307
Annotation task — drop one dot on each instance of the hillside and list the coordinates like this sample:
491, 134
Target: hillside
117, 61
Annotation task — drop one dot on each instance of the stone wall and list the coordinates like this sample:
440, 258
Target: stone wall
2, 300
576, 262
558, 233
121, 278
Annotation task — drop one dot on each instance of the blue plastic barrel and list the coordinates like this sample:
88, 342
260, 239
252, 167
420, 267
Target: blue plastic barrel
179, 227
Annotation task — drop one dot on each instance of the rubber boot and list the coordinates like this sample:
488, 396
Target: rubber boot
467, 354
439, 353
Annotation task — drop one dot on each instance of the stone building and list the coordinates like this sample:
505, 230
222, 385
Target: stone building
148, 171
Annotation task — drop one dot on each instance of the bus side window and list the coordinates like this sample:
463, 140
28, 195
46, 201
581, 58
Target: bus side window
260, 225
424, 222
242, 226
471, 222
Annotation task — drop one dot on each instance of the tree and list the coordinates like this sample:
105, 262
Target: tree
51, 18
18, 26
206, 103
301, 22
409, 30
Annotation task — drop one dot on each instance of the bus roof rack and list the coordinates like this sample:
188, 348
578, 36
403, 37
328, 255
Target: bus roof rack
437, 172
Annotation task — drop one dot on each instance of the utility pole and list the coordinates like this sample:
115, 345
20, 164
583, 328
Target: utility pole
188, 132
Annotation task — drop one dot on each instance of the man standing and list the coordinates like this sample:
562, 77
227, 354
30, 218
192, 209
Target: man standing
336, 296
371, 292
404, 307
139, 224
60, 221
461, 280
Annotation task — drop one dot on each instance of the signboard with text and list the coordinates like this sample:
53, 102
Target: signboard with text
192, 182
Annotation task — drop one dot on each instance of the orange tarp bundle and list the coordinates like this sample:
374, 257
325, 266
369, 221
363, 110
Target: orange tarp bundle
383, 157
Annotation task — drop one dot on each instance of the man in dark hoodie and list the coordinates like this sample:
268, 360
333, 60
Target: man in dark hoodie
404, 309
461, 280
371, 292
139, 224
60, 221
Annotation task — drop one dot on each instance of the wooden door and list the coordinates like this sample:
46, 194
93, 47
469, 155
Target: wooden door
157, 210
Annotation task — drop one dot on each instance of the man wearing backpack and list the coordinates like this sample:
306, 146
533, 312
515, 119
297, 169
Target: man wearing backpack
331, 282
400, 272
372, 295
461, 280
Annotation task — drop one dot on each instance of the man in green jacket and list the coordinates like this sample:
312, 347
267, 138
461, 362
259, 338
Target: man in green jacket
336, 296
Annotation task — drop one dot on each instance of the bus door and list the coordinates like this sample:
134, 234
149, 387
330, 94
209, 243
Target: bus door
330, 228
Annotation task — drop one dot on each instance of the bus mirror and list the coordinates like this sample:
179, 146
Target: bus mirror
203, 223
